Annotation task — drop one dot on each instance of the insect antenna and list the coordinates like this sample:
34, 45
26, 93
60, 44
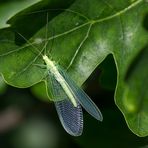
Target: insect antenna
52, 43
47, 39
32, 44
46, 35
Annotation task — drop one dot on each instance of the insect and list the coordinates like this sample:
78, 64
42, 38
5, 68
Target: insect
68, 97
71, 99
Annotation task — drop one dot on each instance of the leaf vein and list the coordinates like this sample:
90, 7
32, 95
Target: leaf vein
80, 45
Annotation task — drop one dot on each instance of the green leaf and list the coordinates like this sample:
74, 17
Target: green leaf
81, 37
10, 8
39, 90
133, 95
3, 86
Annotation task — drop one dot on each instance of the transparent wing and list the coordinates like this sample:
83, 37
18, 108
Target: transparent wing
71, 117
82, 97
55, 89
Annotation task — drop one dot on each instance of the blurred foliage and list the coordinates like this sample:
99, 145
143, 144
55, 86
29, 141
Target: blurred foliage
36, 133
3, 86
39, 90
9, 8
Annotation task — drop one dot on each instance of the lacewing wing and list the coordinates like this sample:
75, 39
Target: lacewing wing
71, 117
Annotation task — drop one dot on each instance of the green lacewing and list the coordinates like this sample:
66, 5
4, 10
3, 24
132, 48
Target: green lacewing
67, 96
72, 98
